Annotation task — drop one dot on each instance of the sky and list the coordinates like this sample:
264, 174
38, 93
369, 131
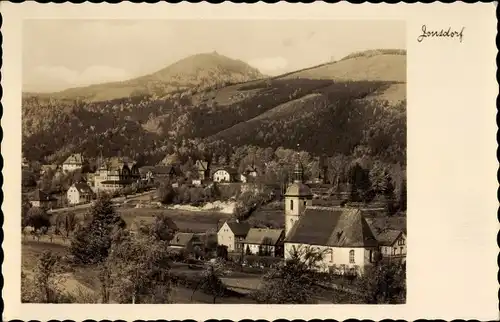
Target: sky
59, 54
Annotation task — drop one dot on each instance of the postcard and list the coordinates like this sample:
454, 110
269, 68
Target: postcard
250, 161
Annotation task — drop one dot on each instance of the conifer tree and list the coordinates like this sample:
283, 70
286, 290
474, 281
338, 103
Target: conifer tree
92, 241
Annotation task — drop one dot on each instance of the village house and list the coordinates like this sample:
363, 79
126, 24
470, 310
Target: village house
264, 242
146, 173
73, 162
392, 244
232, 234
251, 171
43, 200
186, 241
341, 234
115, 174
150, 173
225, 174
79, 193
203, 171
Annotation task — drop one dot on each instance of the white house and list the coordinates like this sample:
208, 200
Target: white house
232, 234
224, 175
79, 193
392, 243
264, 242
73, 162
341, 234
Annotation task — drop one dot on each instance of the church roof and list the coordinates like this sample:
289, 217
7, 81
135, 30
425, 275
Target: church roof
335, 227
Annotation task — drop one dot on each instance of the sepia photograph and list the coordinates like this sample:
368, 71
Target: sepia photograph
214, 161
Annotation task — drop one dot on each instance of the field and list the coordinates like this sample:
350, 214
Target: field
192, 221
187, 221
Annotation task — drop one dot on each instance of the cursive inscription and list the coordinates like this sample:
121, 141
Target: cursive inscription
443, 33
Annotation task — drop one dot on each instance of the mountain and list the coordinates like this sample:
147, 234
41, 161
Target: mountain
356, 103
196, 71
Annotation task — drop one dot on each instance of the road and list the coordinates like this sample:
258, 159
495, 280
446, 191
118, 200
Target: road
139, 196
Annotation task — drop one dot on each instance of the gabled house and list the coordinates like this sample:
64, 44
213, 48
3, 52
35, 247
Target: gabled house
73, 162
146, 173
79, 193
43, 199
203, 170
169, 171
392, 243
186, 241
115, 174
264, 242
225, 174
251, 171
160, 171
249, 174
232, 234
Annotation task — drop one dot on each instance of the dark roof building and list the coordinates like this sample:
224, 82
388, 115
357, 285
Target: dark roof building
264, 236
239, 229
388, 237
334, 227
40, 195
83, 188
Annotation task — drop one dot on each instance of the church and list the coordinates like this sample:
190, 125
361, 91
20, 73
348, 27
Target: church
340, 233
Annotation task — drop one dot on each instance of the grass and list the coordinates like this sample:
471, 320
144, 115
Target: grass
30, 250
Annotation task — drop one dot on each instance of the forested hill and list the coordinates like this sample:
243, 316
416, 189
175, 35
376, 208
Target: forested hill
355, 105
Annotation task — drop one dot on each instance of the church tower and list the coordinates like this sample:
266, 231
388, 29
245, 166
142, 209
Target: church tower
298, 196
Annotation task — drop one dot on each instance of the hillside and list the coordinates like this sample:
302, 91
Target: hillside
331, 108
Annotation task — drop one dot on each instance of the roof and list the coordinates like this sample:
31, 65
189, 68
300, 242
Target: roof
119, 182
82, 187
45, 167
335, 227
165, 169
239, 228
117, 163
40, 195
251, 168
388, 237
298, 189
182, 239
263, 236
146, 169
76, 158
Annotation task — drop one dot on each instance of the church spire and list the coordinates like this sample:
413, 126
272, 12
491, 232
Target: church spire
298, 173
